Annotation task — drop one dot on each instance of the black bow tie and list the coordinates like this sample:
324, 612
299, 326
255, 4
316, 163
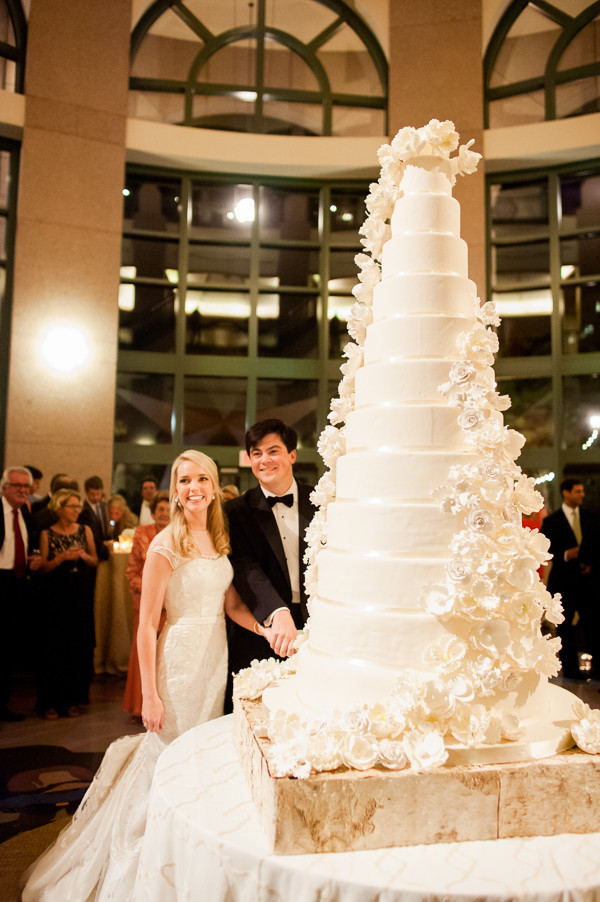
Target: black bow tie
288, 500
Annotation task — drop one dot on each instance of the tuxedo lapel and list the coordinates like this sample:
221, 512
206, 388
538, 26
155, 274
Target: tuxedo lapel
265, 523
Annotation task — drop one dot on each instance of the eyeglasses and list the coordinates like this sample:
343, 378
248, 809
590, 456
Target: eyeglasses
24, 486
74, 507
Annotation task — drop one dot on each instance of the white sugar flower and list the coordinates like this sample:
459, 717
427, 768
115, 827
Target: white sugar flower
553, 608
437, 600
487, 313
441, 135
425, 748
493, 638
381, 724
586, 732
380, 200
513, 442
391, 754
522, 572
340, 408
538, 545
526, 497
469, 724
461, 372
331, 444
250, 683
480, 520
458, 570
359, 318
324, 491
375, 233
357, 720
407, 143
354, 355
359, 752
446, 654
467, 159
436, 699
324, 750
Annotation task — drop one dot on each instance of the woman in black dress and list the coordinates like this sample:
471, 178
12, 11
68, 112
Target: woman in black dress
67, 609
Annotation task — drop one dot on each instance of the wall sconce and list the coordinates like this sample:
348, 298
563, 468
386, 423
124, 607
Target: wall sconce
65, 348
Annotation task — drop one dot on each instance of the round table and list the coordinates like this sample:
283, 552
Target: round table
113, 615
204, 840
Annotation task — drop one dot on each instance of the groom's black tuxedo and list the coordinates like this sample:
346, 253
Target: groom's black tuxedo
259, 567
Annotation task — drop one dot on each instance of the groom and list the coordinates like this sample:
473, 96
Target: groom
266, 527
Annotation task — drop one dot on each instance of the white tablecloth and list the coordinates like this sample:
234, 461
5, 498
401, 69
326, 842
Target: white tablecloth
204, 841
113, 615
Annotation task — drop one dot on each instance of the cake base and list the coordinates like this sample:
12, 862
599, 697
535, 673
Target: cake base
350, 811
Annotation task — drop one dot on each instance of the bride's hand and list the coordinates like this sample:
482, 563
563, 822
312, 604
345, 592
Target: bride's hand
153, 714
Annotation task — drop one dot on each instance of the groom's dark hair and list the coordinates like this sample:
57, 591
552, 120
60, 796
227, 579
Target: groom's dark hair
257, 433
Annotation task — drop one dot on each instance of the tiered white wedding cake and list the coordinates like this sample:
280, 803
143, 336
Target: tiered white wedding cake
424, 642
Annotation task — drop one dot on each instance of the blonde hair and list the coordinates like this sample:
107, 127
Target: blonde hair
183, 541
60, 498
129, 519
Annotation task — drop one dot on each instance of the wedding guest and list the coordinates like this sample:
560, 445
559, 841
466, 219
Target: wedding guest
161, 515
119, 517
149, 489
230, 491
68, 567
95, 515
15, 540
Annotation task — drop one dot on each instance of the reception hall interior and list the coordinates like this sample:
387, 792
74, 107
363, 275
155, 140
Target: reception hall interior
164, 284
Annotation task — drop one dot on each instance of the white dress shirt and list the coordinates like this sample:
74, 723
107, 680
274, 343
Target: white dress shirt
7, 552
145, 514
288, 524
569, 513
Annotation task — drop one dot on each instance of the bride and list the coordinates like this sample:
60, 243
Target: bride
183, 684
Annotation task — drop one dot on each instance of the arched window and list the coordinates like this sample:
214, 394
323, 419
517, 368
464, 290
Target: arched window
311, 67
543, 62
13, 38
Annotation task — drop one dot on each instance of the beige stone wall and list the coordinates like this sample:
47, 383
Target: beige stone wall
435, 72
67, 253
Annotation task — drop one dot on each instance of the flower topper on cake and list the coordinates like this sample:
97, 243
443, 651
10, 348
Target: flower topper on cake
491, 601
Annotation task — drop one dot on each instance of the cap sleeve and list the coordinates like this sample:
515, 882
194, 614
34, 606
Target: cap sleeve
163, 544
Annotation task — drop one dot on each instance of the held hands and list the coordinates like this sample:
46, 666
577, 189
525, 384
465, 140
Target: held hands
572, 553
282, 633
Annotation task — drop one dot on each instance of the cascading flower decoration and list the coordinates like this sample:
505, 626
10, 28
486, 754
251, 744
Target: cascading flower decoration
491, 600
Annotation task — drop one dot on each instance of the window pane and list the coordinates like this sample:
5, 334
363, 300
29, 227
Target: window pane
581, 319
292, 400
343, 271
583, 49
287, 118
579, 255
357, 121
338, 310
577, 98
168, 50
523, 264
152, 204
525, 50
347, 212
211, 264
519, 110
531, 412
285, 69
144, 408
214, 410
146, 317
581, 400
4, 177
222, 211
289, 266
287, 325
216, 322
348, 64
156, 106
127, 479
525, 327
580, 201
291, 215
516, 209
148, 258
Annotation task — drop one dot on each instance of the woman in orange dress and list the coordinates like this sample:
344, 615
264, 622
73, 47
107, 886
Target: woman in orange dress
161, 512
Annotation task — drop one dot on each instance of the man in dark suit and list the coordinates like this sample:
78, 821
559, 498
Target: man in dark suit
267, 526
15, 537
567, 528
95, 515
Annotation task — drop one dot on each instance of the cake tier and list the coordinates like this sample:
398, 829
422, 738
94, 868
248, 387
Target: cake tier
427, 175
430, 335
426, 213
408, 426
398, 528
401, 380
424, 293
377, 580
326, 683
424, 252
408, 475
391, 639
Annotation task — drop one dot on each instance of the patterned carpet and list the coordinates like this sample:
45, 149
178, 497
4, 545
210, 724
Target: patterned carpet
40, 783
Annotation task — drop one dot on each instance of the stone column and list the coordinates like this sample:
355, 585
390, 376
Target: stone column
436, 73
68, 238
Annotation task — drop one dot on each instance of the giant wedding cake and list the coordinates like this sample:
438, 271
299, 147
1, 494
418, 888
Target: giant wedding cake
424, 642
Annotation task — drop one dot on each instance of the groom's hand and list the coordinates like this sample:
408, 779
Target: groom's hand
283, 634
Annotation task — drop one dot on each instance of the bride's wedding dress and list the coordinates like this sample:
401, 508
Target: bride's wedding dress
96, 856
